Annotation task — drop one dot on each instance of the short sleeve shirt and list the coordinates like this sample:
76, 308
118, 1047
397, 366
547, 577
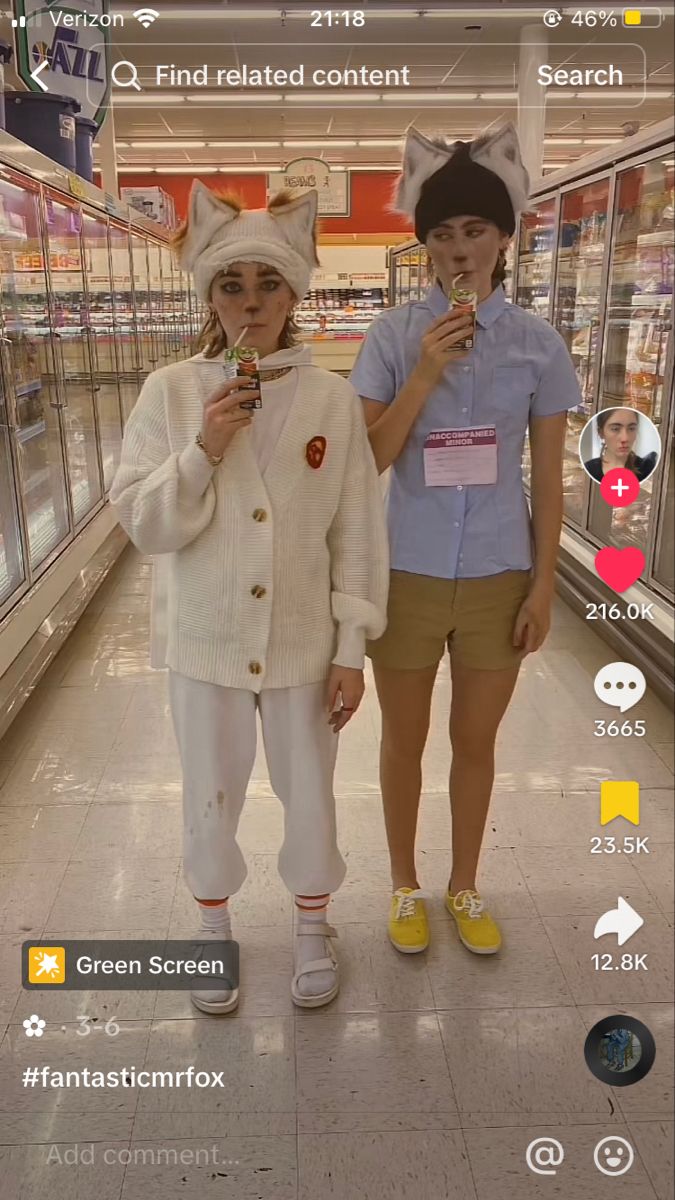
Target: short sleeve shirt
519, 368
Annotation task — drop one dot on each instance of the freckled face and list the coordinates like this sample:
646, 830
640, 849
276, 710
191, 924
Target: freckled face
466, 244
256, 296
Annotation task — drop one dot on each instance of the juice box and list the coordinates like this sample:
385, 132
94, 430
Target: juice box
243, 361
464, 298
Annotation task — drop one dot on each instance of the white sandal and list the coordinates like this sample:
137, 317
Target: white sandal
330, 963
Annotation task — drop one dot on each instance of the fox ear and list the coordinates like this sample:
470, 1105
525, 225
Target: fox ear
421, 159
500, 153
297, 219
206, 214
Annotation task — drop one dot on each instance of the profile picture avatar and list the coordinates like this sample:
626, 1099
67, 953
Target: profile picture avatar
619, 438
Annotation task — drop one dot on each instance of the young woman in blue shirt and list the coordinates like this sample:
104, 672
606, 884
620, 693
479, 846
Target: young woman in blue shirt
470, 569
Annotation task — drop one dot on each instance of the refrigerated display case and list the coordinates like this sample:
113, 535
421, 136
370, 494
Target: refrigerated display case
409, 276
604, 277
595, 257
33, 426
90, 302
339, 311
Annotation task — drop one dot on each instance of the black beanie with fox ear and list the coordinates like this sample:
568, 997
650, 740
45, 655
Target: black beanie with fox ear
463, 188
441, 179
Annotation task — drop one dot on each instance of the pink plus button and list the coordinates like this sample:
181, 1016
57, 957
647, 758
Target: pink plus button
619, 487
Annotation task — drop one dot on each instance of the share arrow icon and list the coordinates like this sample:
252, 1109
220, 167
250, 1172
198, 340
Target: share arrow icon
34, 75
624, 921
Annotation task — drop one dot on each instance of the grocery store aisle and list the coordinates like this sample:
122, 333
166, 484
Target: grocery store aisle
429, 1075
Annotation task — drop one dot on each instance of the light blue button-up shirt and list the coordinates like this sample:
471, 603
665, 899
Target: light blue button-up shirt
519, 367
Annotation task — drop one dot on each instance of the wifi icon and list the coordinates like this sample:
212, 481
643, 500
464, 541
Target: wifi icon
146, 16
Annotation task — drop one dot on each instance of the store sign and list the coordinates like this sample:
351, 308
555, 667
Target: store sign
303, 173
59, 260
76, 45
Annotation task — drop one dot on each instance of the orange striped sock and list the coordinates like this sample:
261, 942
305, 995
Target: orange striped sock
312, 907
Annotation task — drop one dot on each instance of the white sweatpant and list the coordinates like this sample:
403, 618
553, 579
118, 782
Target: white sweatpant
216, 730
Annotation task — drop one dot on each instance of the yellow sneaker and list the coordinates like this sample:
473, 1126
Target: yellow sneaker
408, 923
477, 929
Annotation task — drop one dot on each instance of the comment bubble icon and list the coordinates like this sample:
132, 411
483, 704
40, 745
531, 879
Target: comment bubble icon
620, 684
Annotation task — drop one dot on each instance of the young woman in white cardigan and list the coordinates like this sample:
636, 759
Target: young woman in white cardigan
270, 527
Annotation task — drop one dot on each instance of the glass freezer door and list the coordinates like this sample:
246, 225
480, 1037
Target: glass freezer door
197, 311
577, 313
535, 258
170, 306
124, 317
185, 316
158, 315
148, 339
100, 333
70, 313
640, 293
12, 566
638, 325
30, 389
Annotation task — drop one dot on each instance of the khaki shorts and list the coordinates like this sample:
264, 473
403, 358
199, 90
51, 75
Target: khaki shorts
474, 618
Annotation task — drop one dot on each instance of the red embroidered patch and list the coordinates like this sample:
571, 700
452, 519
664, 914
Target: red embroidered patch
315, 452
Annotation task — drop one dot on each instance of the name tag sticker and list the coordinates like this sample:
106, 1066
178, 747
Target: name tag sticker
454, 456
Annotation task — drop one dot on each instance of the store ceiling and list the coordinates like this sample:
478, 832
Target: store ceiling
470, 59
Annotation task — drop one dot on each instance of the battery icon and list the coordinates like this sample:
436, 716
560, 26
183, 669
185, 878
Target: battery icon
645, 18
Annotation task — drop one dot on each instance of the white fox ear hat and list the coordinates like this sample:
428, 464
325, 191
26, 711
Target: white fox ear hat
219, 232
484, 178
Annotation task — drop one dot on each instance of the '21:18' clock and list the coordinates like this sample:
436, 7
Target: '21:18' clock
332, 19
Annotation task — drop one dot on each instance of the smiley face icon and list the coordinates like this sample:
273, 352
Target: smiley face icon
614, 1156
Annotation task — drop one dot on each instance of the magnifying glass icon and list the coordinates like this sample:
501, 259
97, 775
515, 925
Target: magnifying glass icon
125, 83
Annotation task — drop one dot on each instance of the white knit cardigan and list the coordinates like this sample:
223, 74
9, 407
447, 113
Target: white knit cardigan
269, 578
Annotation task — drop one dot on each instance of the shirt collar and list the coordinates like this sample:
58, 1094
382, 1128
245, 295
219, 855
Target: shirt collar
488, 311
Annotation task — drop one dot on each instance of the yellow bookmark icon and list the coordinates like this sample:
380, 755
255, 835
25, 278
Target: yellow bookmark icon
619, 798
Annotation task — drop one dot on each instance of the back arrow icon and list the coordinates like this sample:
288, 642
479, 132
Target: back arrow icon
34, 75
624, 921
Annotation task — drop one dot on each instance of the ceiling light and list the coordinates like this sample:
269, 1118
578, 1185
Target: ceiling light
485, 11
195, 169
252, 145
623, 94
206, 14
371, 143
157, 98
382, 14
439, 97
242, 98
601, 141
326, 143
166, 144
245, 169
498, 96
386, 14
329, 98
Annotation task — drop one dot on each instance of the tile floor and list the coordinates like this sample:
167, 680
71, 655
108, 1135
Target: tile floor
429, 1075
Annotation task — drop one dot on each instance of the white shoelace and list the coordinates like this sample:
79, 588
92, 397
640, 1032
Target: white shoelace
470, 902
406, 904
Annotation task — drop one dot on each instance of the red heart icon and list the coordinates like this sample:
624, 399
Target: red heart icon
620, 568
